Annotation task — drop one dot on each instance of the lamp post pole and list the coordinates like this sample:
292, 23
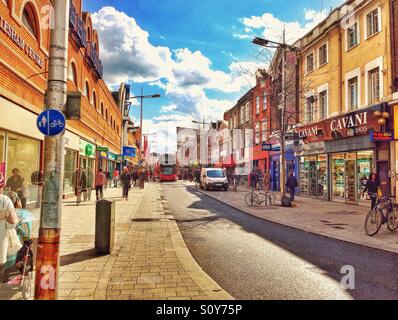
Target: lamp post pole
47, 261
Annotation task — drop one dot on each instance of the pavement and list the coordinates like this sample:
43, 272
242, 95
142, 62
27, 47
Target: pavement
150, 260
330, 219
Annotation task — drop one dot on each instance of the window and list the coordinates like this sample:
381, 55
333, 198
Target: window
94, 102
353, 93
264, 129
247, 115
352, 36
257, 105
323, 54
265, 101
28, 19
257, 133
323, 104
242, 115
374, 85
72, 73
310, 62
372, 23
111, 120
102, 109
106, 114
309, 112
87, 90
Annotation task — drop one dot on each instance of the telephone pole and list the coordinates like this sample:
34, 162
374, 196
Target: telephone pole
47, 261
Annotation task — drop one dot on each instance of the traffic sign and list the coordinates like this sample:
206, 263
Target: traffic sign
51, 122
266, 147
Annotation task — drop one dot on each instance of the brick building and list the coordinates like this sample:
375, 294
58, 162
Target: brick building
92, 142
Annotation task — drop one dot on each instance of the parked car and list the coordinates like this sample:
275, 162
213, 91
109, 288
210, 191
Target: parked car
213, 178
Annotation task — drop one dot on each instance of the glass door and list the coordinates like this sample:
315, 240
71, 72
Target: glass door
350, 177
338, 176
322, 177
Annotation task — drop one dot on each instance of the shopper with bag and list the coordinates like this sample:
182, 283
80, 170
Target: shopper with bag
9, 242
373, 188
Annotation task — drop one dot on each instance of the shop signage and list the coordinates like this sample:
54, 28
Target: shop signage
357, 123
9, 31
87, 149
129, 152
381, 136
102, 149
51, 122
112, 156
266, 147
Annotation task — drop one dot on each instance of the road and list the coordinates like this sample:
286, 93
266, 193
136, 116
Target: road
256, 259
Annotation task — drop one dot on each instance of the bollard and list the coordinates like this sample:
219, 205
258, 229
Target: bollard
104, 226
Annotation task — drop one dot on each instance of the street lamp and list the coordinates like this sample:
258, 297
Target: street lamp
142, 97
201, 122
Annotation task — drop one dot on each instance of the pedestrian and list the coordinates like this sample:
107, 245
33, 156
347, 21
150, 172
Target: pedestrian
16, 183
372, 186
89, 184
291, 184
115, 177
126, 181
79, 181
7, 215
100, 182
267, 181
135, 178
260, 179
253, 179
142, 179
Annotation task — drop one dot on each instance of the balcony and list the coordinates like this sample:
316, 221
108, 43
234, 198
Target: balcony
80, 34
72, 17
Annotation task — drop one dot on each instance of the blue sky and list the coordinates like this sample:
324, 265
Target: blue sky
192, 52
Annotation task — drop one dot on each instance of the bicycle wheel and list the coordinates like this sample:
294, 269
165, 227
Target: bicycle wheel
392, 221
251, 199
373, 222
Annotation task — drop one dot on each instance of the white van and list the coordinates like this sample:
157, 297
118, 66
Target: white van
213, 178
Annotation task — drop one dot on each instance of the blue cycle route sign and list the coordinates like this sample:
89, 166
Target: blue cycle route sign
51, 122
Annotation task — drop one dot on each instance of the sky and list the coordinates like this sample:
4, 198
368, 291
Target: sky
197, 55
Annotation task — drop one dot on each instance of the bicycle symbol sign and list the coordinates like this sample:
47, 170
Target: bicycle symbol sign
51, 122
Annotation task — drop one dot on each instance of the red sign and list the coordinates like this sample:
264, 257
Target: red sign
357, 123
2, 174
381, 136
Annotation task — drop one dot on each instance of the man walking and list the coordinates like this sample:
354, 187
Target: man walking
126, 180
291, 184
253, 179
100, 182
79, 181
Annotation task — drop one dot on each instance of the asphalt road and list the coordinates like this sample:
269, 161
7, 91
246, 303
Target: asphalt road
256, 259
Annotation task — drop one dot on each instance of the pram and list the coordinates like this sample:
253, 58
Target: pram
18, 268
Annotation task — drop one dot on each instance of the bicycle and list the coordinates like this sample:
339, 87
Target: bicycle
256, 199
385, 212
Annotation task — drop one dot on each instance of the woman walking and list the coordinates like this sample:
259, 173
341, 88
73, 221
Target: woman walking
126, 181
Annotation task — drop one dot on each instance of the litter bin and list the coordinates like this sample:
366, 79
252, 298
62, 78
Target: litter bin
104, 226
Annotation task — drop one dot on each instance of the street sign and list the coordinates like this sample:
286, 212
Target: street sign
381, 136
51, 122
266, 147
129, 152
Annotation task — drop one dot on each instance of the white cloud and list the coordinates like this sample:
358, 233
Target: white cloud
272, 27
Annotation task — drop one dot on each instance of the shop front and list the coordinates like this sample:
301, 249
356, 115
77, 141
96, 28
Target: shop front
20, 146
337, 156
87, 152
275, 164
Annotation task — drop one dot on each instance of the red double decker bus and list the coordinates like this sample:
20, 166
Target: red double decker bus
167, 168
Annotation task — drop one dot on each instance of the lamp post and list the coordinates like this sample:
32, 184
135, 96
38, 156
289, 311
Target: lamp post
285, 47
142, 97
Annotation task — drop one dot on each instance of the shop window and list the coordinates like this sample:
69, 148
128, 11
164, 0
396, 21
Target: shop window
353, 93
374, 85
309, 112
264, 129
29, 20
257, 133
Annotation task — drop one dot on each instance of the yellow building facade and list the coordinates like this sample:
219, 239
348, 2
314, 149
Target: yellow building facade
345, 77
